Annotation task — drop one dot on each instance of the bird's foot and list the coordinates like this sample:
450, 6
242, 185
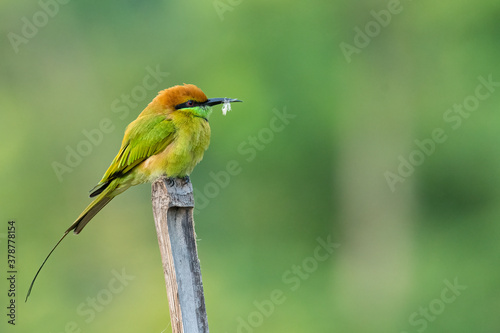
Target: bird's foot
185, 179
170, 182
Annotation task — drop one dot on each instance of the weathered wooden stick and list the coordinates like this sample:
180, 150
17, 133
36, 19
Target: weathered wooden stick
173, 204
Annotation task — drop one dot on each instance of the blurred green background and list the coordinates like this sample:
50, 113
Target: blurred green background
415, 229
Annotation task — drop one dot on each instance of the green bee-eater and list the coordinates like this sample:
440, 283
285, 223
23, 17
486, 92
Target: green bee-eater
168, 138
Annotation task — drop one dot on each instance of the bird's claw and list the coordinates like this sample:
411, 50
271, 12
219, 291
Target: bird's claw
170, 182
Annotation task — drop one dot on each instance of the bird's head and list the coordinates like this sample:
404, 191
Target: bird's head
188, 98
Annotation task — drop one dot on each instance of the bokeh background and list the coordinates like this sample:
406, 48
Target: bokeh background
360, 82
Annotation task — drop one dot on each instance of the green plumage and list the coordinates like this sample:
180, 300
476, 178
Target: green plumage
168, 138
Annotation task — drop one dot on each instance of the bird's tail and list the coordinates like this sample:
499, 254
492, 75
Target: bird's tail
82, 220
95, 207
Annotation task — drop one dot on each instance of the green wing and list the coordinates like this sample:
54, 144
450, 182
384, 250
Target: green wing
144, 137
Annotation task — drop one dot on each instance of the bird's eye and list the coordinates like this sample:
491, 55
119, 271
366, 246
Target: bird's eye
190, 103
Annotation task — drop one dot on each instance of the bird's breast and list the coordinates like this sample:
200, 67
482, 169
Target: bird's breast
178, 159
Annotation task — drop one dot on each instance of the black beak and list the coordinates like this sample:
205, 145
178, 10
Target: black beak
215, 101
